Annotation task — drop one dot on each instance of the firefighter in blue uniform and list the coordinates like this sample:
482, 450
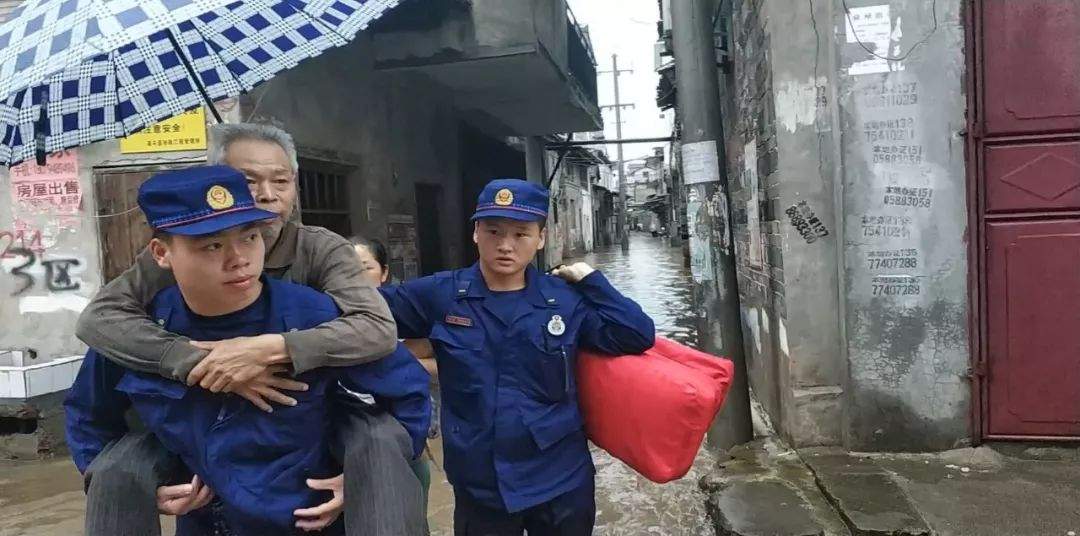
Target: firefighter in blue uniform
505, 338
269, 471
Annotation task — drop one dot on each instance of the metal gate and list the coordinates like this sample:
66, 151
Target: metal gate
1024, 148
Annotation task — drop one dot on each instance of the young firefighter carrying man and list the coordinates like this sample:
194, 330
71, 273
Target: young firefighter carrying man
251, 472
505, 338
382, 494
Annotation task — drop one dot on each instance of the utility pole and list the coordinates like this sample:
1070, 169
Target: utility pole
713, 258
620, 219
536, 173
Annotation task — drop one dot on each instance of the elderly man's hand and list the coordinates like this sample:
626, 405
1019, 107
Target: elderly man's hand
236, 361
573, 273
184, 498
267, 387
321, 516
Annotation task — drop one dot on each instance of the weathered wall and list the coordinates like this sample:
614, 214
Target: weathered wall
39, 302
570, 234
63, 261
750, 140
549, 16
801, 242
904, 225
855, 331
489, 26
392, 130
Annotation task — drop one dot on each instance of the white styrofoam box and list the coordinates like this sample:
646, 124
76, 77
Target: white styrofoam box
5, 382
14, 358
40, 379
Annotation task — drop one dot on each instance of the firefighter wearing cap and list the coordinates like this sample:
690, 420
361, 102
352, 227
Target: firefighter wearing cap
505, 337
271, 473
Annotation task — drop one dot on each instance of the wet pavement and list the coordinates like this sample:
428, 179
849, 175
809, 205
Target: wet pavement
44, 498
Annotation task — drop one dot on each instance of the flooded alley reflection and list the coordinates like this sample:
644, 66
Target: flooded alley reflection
654, 275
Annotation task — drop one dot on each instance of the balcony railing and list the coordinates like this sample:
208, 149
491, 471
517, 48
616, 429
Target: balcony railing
582, 60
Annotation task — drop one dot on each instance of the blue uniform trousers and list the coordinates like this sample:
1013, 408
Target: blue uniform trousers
569, 514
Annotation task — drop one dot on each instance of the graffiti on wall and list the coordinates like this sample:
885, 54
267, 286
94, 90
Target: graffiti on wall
806, 222
30, 270
20, 239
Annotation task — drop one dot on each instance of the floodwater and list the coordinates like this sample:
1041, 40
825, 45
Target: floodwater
655, 276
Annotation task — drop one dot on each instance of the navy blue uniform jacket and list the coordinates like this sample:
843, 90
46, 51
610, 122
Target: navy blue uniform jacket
512, 432
255, 462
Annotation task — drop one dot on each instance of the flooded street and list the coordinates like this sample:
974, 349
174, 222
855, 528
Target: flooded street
44, 498
627, 504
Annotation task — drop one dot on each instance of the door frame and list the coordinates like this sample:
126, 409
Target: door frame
976, 372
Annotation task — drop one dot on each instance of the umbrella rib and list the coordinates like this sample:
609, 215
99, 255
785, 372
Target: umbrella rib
195, 23
320, 22
116, 91
194, 76
324, 24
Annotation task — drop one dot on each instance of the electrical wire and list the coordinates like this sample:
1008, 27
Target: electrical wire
115, 214
855, 35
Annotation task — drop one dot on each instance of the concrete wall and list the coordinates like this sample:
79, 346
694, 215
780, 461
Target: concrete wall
750, 146
905, 251
489, 26
393, 130
572, 233
35, 311
801, 242
852, 264
64, 271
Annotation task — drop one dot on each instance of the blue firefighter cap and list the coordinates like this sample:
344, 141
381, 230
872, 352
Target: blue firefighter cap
199, 201
515, 199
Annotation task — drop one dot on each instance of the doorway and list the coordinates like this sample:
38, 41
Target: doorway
429, 223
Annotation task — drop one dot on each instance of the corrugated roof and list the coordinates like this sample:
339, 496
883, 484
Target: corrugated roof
6, 6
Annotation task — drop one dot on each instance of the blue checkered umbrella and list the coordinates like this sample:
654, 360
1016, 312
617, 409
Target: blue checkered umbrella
73, 72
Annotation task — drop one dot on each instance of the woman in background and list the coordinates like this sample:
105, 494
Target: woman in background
374, 265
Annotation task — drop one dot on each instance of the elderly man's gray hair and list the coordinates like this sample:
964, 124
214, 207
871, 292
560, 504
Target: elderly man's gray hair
224, 134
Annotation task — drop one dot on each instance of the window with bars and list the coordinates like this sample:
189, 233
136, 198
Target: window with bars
324, 196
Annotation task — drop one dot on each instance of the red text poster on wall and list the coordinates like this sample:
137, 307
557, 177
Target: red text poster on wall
53, 187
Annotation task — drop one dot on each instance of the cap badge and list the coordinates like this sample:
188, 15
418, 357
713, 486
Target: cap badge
219, 198
504, 197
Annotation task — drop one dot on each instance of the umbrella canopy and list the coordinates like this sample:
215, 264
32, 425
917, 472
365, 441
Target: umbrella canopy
73, 72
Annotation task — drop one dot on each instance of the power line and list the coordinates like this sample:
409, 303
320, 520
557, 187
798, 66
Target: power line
855, 34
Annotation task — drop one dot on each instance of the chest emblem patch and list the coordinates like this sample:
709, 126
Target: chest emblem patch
556, 326
458, 321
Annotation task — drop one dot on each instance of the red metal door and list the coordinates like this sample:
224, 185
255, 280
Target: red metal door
1025, 133
1033, 301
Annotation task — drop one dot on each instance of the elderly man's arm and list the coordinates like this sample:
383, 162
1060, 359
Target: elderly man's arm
116, 324
364, 332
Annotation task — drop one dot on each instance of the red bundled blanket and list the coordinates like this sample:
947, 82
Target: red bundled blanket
652, 410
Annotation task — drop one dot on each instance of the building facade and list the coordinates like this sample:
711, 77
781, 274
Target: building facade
902, 199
